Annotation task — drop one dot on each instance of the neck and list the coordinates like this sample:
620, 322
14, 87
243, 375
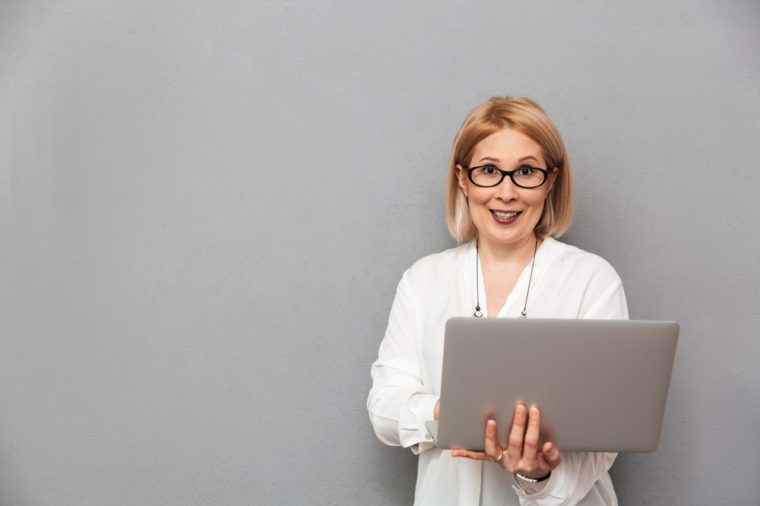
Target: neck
495, 254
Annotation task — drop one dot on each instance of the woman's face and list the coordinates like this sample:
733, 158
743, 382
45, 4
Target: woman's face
506, 214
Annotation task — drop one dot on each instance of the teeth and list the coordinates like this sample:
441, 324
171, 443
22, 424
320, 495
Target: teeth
505, 216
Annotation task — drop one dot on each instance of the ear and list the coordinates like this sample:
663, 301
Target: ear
552, 177
462, 179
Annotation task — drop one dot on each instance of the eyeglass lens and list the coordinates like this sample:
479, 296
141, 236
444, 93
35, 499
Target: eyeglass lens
527, 177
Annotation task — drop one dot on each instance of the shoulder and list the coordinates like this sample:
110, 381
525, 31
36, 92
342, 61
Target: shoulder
588, 283
440, 266
580, 263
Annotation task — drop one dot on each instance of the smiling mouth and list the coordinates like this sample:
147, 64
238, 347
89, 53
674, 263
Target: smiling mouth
505, 215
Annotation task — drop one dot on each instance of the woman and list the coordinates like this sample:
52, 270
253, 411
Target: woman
509, 192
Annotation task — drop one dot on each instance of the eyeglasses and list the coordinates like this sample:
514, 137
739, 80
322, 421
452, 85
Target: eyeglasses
525, 176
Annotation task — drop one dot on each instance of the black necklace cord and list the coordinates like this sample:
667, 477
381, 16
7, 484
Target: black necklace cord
524, 312
478, 313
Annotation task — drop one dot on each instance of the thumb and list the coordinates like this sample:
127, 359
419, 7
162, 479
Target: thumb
551, 454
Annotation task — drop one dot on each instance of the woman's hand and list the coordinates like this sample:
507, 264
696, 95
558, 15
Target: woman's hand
522, 454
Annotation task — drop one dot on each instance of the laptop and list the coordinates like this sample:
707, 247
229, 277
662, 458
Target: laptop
601, 385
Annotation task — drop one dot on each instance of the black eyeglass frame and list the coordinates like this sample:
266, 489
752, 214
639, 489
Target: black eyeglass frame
505, 173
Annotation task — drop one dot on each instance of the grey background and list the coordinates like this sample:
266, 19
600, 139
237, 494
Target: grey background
205, 209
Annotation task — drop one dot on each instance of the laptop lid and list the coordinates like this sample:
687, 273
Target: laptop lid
601, 385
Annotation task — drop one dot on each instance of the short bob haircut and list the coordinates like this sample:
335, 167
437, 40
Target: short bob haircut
526, 116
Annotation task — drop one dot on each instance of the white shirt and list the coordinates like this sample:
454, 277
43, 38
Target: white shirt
406, 378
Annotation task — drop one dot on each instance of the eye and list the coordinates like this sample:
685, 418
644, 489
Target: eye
526, 170
489, 170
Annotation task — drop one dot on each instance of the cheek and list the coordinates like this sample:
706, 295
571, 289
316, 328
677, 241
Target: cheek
478, 197
477, 205
538, 200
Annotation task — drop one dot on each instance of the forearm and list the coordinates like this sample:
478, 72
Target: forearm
398, 411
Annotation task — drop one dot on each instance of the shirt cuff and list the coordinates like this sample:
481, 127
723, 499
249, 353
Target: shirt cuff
413, 414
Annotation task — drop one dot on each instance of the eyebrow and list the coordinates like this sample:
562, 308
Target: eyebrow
523, 159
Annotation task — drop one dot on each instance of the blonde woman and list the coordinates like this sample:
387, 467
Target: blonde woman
509, 196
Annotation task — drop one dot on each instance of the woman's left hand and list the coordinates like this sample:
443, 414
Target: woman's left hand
522, 454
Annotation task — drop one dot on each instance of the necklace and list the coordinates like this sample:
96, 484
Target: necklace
478, 313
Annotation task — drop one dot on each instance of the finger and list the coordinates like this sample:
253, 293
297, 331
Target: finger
517, 433
530, 445
460, 452
551, 455
492, 446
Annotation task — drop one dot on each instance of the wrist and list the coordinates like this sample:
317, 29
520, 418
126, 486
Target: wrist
529, 479
529, 486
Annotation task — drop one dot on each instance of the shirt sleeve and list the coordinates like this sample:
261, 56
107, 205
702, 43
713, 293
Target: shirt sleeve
603, 298
399, 403
570, 481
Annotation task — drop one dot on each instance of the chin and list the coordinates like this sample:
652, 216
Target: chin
515, 235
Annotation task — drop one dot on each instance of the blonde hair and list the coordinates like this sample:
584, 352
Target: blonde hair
525, 116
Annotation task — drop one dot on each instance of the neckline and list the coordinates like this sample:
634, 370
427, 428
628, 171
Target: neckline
542, 253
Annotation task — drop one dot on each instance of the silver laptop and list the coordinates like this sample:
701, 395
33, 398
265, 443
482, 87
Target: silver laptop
601, 385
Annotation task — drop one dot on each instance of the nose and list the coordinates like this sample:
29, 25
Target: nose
506, 191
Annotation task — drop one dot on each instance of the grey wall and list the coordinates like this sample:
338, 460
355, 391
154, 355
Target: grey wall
205, 209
